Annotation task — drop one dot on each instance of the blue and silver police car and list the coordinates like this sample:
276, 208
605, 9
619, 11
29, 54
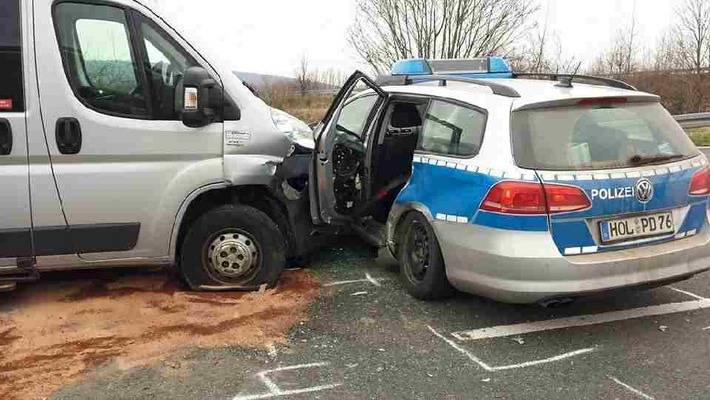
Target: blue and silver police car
521, 188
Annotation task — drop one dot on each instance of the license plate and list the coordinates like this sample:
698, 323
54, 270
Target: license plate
639, 227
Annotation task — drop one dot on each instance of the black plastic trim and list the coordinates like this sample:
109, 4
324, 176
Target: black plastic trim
615, 83
67, 134
5, 137
77, 239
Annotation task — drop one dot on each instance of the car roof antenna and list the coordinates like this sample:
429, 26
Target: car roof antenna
566, 80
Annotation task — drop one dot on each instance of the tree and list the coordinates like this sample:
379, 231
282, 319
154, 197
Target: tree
388, 30
542, 53
619, 60
693, 33
305, 77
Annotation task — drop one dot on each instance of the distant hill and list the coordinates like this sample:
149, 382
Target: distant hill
260, 81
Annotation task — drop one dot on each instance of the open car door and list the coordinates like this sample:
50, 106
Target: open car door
338, 164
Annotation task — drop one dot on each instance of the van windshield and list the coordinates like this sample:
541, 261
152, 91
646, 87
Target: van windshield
601, 136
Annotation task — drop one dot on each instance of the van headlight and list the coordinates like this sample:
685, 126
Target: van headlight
295, 130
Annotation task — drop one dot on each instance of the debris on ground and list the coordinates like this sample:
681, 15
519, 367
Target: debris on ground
662, 328
519, 340
52, 332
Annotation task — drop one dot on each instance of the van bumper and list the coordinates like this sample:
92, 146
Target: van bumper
527, 267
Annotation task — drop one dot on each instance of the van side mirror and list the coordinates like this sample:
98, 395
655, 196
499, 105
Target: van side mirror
202, 98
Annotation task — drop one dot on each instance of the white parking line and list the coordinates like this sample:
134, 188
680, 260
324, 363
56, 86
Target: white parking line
581, 320
372, 280
368, 278
687, 293
526, 364
632, 389
345, 282
276, 391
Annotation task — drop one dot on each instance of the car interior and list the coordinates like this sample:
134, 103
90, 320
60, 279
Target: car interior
370, 197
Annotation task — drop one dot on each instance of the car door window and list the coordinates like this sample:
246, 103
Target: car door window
165, 63
11, 90
99, 59
451, 129
354, 115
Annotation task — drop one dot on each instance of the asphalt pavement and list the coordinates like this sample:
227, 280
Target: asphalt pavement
368, 339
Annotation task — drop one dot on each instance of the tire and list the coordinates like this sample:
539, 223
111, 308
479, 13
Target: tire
233, 247
421, 263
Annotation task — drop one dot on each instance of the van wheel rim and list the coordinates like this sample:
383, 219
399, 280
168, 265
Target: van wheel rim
418, 246
233, 255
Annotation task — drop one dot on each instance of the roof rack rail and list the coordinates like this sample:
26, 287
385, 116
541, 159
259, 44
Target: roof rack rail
556, 77
404, 80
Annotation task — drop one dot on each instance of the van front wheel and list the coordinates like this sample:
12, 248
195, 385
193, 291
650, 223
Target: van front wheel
233, 247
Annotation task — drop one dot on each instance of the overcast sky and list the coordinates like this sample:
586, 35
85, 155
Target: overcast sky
269, 36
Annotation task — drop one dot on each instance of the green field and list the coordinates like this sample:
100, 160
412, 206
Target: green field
700, 136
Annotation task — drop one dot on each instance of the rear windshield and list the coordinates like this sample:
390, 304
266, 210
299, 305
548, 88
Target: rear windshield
598, 137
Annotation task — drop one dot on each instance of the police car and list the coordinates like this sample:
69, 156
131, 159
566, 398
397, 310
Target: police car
521, 188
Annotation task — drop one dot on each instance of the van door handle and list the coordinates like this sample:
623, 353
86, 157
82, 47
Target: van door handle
68, 135
5, 137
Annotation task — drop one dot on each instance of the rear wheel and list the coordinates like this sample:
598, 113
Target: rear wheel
232, 247
422, 265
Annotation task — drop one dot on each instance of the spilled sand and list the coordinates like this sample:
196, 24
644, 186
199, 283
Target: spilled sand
52, 332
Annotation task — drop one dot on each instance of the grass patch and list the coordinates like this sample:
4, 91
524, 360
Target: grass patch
700, 136
306, 108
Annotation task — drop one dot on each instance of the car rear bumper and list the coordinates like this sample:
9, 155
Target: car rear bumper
527, 267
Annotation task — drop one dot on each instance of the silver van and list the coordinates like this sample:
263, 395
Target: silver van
123, 145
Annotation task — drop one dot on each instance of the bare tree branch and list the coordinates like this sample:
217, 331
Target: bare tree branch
388, 30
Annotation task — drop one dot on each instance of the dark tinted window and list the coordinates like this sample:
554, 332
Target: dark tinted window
95, 42
451, 129
11, 82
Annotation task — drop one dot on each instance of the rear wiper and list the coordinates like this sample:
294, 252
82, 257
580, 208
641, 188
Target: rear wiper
658, 158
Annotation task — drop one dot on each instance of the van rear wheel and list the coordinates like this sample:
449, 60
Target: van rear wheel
421, 262
233, 247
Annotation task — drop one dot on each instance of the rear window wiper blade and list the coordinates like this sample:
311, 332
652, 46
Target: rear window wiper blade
658, 158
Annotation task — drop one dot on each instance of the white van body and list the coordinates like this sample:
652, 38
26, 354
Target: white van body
103, 169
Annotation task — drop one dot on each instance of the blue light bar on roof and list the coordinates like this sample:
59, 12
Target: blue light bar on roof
490, 67
417, 66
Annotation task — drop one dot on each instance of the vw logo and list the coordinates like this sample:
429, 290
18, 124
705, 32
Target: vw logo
644, 190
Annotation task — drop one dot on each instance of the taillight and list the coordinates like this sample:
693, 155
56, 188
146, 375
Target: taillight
562, 199
515, 198
528, 198
700, 184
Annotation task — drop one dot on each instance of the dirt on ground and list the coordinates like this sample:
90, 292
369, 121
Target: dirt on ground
53, 332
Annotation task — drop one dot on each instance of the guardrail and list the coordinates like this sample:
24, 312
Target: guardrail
700, 120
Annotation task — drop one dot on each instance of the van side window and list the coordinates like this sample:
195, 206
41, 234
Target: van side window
165, 64
99, 59
450, 129
12, 97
